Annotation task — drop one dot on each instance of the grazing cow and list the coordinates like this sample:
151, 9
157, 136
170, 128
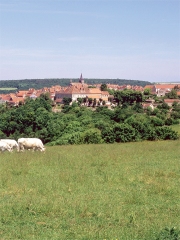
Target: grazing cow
12, 143
5, 147
30, 143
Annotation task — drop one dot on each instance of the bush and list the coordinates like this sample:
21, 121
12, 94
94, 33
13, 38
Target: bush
142, 130
2, 135
157, 121
92, 135
169, 234
175, 115
73, 138
124, 133
120, 115
155, 112
163, 106
168, 121
60, 141
108, 135
141, 124
152, 135
165, 133
138, 108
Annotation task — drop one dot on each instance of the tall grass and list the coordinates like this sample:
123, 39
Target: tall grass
118, 191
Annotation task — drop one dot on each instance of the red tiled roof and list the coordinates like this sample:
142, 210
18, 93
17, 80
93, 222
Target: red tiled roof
21, 93
145, 105
79, 85
171, 100
59, 100
105, 93
165, 86
149, 86
94, 90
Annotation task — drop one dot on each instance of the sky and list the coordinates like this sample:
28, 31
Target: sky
125, 39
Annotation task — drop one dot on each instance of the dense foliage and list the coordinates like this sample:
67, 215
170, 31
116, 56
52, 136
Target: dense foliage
77, 124
169, 234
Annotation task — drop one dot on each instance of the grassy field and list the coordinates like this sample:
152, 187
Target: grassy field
8, 89
176, 128
120, 191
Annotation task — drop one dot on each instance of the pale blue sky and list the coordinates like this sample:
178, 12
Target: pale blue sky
128, 39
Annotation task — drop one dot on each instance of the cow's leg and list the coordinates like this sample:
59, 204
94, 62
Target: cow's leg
21, 148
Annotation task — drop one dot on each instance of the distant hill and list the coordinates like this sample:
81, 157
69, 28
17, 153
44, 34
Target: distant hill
40, 83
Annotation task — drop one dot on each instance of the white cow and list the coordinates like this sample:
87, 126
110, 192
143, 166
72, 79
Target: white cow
5, 147
12, 143
30, 143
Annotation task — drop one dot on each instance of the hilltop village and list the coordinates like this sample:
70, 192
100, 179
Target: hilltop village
82, 114
80, 89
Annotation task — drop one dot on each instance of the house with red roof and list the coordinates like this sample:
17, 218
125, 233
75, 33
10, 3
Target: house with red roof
11, 99
160, 89
171, 101
80, 90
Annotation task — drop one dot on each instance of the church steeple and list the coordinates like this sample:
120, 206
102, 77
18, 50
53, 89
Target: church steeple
81, 80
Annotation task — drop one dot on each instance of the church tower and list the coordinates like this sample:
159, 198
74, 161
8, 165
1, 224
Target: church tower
81, 80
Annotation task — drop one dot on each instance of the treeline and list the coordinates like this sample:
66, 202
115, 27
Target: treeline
78, 124
40, 83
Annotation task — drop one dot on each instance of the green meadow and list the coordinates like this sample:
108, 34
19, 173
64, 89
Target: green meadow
176, 128
106, 191
8, 88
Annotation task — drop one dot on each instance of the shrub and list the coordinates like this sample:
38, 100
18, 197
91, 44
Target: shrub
108, 135
60, 141
138, 108
165, 133
141, 123
163, 106
175, 115
152, 134
157, 121
124, 133
155, 112
168, 121
73, 138
101, 124
169, 234
2, 135
142, 130
92, 135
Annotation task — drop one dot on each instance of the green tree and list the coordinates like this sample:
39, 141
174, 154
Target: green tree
155, 121
67, 100
138, 108
92, 135
44, 101
128, 97
147, 91
124, 133
172, 94
94, 102
163, 106
121, 114
80, 101
108, 134
103, 87
90, 101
